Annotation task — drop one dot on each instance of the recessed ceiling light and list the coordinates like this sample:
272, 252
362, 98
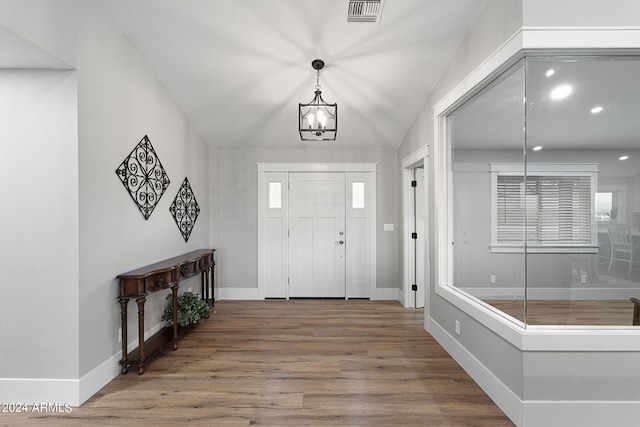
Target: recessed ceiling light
550, 72
624, 157
537, 148
596, 110
561, 92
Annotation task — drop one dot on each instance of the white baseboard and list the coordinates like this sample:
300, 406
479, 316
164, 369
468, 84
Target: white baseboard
506, 400
385, 294
237, 293
91, 383
529, 413
616, 294
579, 413
66, 391
252, 294
109, 369
31, 391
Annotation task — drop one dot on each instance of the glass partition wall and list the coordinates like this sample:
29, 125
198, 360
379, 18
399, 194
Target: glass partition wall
545, 191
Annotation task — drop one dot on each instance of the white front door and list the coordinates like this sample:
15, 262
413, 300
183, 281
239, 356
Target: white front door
317, 235
304, 212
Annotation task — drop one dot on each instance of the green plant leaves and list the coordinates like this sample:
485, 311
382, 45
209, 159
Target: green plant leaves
191, 309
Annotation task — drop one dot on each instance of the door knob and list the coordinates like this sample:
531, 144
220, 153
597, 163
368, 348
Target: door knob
341, 242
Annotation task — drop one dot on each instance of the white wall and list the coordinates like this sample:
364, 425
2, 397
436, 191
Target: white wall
39, 226
236, 177
571, 13
119, 101
497, 21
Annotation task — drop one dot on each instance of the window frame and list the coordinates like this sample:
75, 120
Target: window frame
589, 170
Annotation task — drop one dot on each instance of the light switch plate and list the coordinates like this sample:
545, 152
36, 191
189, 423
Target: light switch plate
388, 227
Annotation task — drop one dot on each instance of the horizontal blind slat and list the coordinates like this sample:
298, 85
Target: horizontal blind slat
545, 208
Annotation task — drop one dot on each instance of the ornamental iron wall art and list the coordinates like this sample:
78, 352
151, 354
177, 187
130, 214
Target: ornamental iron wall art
143, 176
185, 209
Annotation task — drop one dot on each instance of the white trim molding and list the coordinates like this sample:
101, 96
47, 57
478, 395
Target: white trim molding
30, 391
228, 294
544, 40
409, 164
316, 167
277, 285
590, 38
507, 400
238, 294
385, 294
416, 158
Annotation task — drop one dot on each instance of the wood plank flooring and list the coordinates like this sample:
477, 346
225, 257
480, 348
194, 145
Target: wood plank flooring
569, 312
296, 362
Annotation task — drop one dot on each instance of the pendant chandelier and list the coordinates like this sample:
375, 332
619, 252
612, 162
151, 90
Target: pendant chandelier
317, 120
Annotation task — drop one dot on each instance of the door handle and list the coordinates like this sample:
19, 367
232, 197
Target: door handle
341, 242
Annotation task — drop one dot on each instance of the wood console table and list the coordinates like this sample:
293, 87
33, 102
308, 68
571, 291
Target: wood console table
155, 277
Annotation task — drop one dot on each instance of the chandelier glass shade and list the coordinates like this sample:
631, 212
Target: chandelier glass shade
318, 120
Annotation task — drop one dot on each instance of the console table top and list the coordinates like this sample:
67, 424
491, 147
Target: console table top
166, 264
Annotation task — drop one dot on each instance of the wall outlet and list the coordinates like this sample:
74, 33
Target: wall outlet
493, 278
583, 278
189, 289
458, 327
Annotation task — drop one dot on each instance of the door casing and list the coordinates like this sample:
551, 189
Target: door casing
420, 158
273, 227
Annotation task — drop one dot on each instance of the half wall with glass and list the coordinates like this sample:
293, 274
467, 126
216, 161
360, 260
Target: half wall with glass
544, 179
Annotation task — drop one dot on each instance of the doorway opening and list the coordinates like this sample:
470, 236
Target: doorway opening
415, 290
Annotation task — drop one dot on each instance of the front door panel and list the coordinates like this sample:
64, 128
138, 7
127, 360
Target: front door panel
317, 235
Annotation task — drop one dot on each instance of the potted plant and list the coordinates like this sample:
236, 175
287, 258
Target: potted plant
191, 310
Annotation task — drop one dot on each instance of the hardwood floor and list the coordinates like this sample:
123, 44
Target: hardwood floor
296, 362
569, 312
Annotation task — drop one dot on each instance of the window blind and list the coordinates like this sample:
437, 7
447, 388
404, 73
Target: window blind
544, 209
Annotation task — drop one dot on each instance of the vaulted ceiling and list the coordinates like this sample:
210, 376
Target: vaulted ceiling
239, 68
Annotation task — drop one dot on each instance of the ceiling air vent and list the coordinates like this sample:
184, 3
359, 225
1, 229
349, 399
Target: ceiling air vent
364, 11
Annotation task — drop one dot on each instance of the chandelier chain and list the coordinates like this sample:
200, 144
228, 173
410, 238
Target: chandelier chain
318, 80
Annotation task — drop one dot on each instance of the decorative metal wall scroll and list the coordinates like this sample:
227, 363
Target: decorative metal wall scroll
144, 177
185, 209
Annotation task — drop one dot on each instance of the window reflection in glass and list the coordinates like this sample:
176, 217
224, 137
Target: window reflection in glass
584, 113
604, 207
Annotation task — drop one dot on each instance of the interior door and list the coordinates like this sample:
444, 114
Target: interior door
317, 235
420, 241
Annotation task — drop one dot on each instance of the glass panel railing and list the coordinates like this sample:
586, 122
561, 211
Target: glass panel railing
583, 111
550, 150
488, 129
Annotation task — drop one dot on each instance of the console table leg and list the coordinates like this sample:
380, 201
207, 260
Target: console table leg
123, 314
206, 274
141, 300
205, 288
213, 285
174, 291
